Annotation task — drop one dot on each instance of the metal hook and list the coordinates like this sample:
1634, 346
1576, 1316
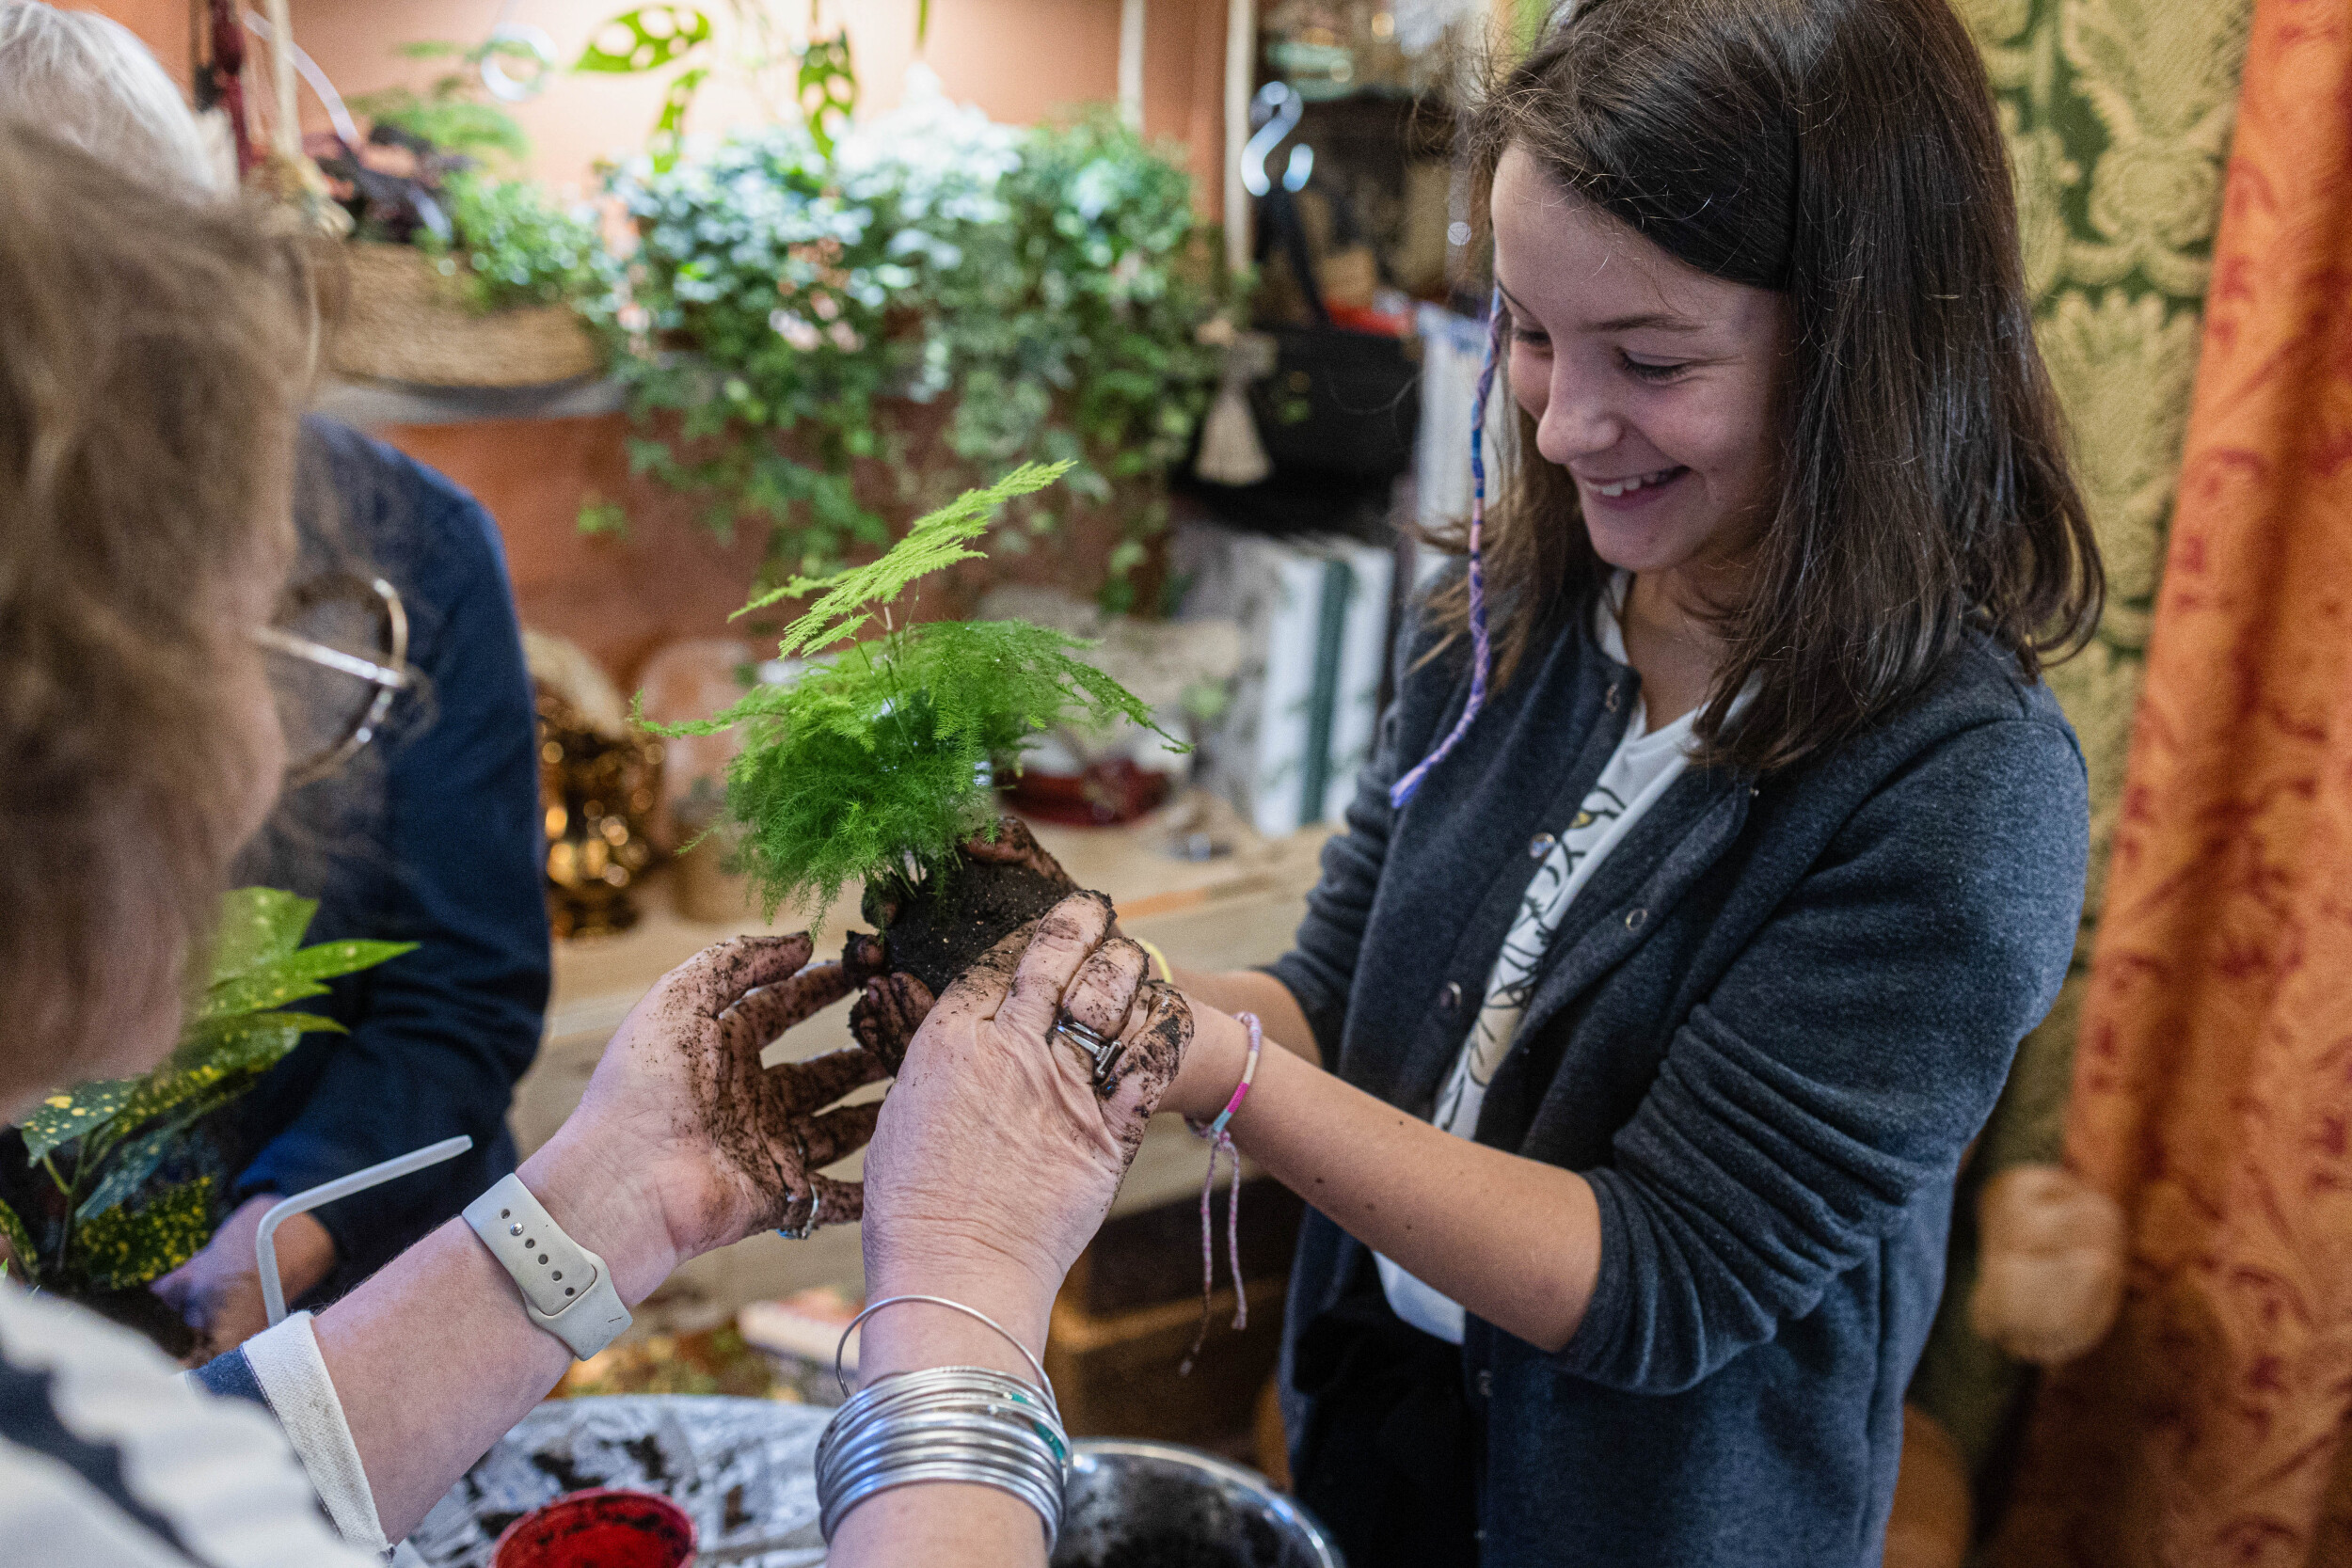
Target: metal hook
504, 85
1276, 112
1302, 164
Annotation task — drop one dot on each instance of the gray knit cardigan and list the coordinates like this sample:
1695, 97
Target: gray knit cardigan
1766, 1031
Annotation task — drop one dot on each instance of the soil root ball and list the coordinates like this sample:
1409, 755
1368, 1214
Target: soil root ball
937, 928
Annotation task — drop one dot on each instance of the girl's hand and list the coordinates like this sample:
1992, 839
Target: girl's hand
995, 1159
1213, 1067
684, 1143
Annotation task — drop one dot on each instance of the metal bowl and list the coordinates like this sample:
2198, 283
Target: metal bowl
1136, 1504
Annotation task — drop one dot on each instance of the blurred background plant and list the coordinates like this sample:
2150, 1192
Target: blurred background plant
432, 173
788, 308
111, 1184
818, 74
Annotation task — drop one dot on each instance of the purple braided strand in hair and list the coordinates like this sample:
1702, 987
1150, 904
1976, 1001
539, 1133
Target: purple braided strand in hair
1481, 651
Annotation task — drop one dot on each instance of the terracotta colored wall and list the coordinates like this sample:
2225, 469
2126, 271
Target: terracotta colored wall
620, 598
1019, 59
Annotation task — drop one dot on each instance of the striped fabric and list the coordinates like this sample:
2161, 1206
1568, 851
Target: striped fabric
110, 1460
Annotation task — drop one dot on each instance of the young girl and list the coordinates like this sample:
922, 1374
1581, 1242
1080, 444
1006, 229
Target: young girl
1720, 843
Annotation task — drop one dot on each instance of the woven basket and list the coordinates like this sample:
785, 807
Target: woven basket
403, 321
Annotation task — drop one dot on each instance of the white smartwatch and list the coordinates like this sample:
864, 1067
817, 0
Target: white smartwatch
567, 1288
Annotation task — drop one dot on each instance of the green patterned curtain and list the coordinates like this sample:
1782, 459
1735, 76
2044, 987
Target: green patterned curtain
2118, 116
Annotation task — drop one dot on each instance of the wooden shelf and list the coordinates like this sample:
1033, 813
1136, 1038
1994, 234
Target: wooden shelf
371, 404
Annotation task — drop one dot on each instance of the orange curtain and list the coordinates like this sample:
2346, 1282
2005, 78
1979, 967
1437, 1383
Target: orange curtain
2213, 1080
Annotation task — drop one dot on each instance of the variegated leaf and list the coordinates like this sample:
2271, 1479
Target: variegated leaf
20, 1242
255, 1044
127, 1247
256, 925
647, 39
293, 977
129, 1167
71, 1113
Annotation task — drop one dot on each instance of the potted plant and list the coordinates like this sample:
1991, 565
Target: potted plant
878, 765
110, 1184
458, 276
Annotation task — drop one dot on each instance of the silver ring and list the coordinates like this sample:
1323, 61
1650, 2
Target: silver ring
816, 1198
1101, 1051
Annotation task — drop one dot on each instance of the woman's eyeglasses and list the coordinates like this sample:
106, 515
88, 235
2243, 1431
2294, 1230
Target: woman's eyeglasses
345, 645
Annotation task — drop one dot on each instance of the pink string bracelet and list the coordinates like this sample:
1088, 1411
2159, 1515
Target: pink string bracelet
1221, 1141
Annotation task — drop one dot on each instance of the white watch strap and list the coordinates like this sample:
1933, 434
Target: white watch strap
567, 1288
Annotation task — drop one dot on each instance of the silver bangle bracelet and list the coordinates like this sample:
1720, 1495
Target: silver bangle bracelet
969, 1424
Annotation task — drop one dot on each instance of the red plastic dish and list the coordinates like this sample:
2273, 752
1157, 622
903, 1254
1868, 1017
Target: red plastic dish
607, 1528
1106, 793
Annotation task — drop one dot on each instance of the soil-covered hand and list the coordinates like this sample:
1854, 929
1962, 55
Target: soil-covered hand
994, 1150
885, 1019
682, 1114
898, 973
1015, 845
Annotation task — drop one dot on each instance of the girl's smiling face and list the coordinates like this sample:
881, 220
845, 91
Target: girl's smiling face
1653, 384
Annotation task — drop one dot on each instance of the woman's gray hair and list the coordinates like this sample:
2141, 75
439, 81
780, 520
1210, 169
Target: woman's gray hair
86, 79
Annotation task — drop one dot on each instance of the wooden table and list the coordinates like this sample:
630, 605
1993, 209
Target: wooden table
1230, 911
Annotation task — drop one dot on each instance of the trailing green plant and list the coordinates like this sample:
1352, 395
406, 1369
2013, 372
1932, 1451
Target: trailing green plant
1071, 328
113, 1191
1050, 281
510, 246
429, 175
784, 272
879, 758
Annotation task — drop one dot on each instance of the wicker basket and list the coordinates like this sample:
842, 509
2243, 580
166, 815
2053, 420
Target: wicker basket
403, 322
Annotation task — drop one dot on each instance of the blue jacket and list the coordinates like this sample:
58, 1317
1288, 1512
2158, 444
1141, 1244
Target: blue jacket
432, 836
1767, 1031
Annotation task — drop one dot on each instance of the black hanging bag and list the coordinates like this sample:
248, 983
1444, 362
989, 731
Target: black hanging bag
1340, 405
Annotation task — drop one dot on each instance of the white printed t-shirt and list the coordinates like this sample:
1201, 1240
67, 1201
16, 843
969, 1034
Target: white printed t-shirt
1641, 770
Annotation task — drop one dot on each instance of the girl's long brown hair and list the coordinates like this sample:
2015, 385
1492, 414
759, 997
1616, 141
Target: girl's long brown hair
1846, 154
152, 355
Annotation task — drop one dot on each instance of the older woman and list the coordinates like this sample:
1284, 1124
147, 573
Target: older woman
156, 356
430, 835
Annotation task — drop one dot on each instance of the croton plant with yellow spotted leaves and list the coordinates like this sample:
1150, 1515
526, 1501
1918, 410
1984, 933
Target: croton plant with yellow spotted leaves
106, 1187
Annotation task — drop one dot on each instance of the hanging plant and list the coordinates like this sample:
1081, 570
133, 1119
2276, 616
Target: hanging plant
108, 1186
427, 175
656, 37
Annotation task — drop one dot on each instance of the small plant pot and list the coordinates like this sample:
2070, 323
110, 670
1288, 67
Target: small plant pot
706, 891
606, 1527
406, 322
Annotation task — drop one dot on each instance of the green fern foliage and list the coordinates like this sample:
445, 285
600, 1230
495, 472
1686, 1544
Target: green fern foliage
935, 542
881, 758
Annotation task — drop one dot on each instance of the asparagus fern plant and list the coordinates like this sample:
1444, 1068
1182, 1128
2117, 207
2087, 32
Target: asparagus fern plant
881, 758
109, 1199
